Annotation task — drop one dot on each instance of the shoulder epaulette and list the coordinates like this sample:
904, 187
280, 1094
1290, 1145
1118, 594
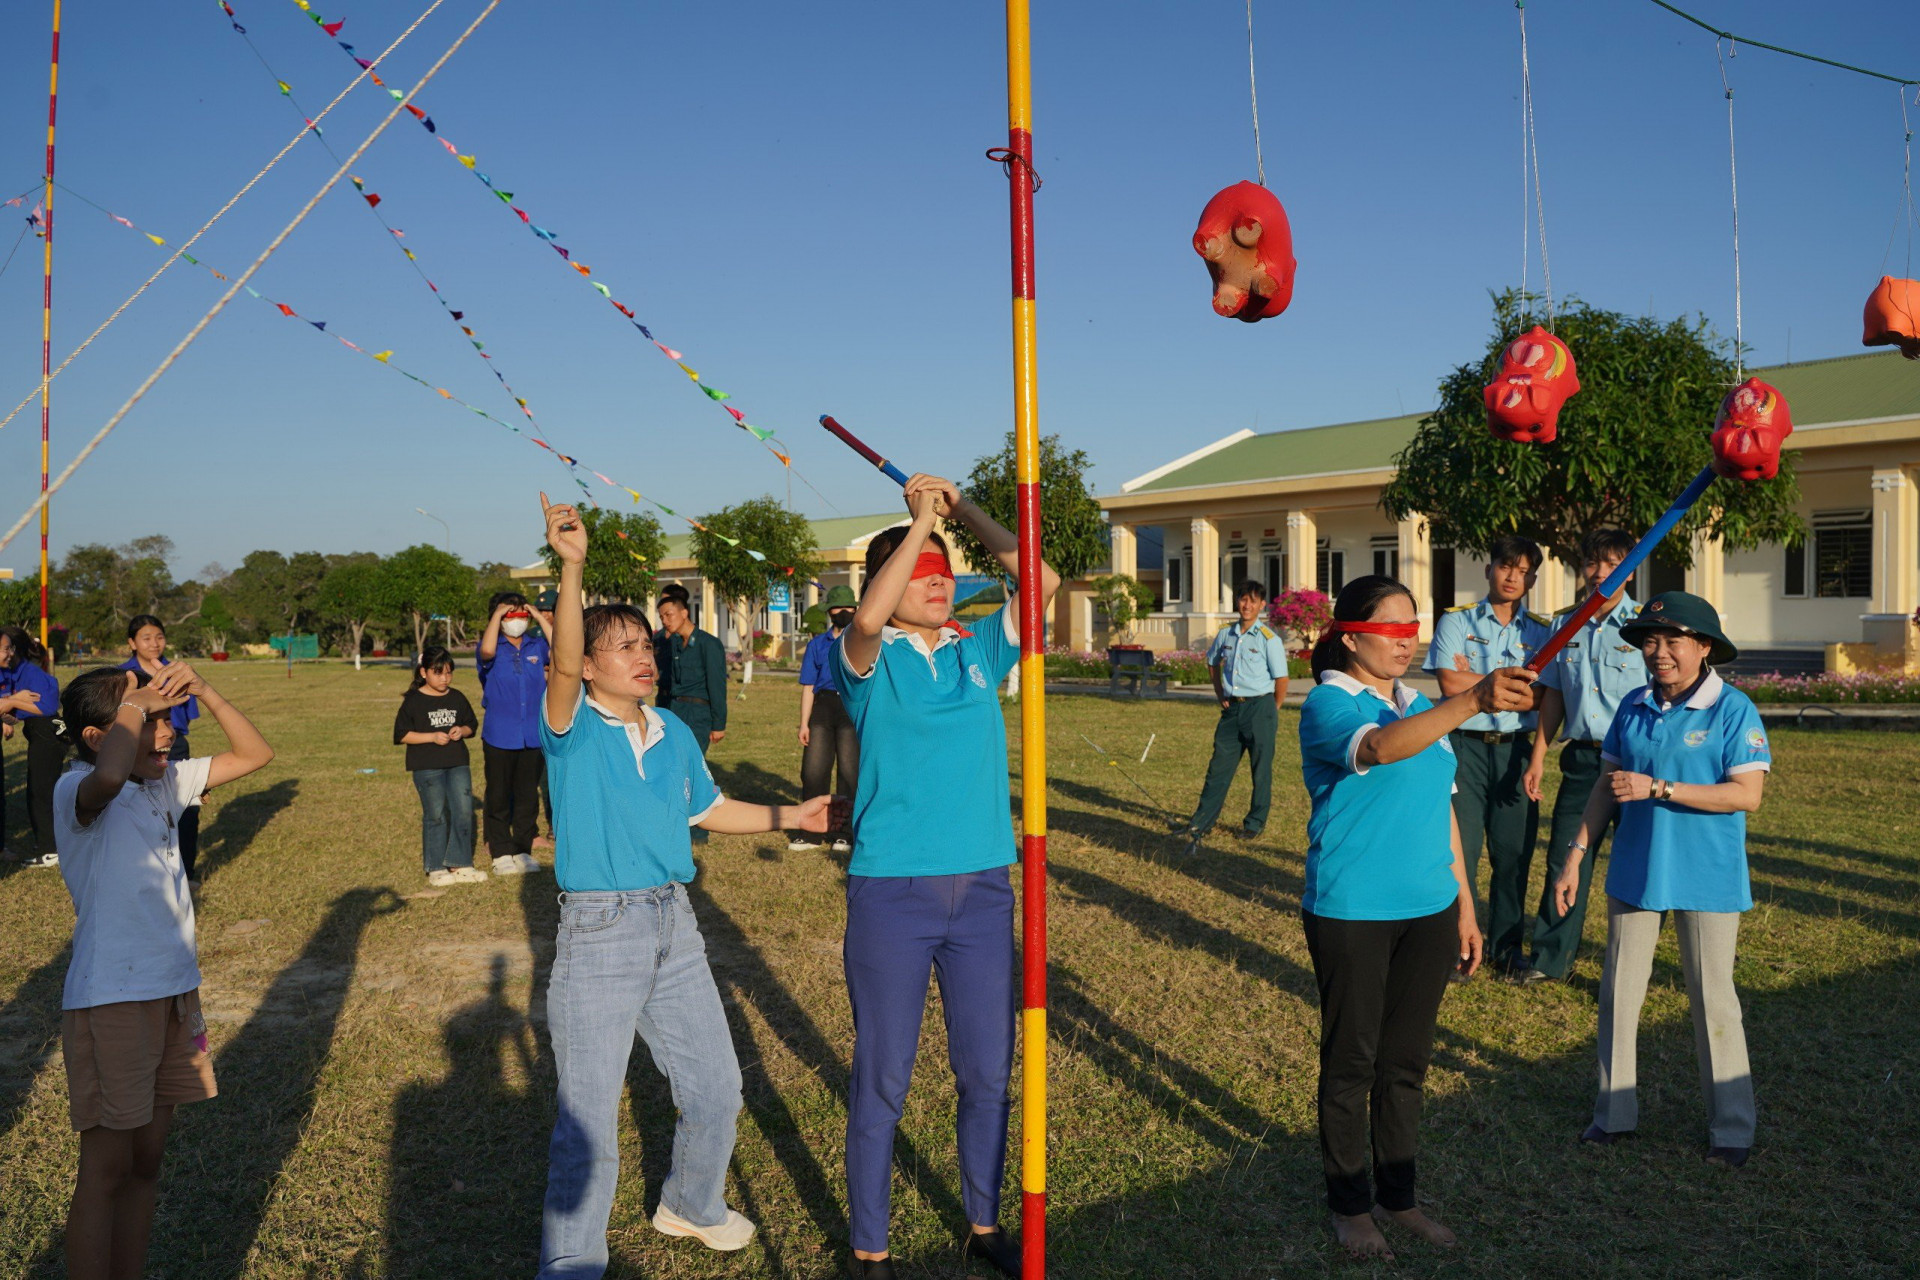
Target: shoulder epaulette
1539, 618
1569, 609
1457, 608
1267, 631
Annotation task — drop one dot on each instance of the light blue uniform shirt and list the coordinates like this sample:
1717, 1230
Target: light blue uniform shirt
624, 799
1595, 672
1667, 857
1250, 660
932, 796
1474, 630
1380, 837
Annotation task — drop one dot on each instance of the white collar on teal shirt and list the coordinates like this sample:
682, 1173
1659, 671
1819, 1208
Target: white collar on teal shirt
640, 737
1705, 696
1403, 696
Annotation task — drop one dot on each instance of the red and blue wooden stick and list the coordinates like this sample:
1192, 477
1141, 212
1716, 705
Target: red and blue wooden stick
887, 469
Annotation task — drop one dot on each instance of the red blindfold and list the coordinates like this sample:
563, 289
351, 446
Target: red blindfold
1392, 630
932, 564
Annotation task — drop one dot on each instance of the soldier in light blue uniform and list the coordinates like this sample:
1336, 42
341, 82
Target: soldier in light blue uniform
1581, 690
1249, 662
1492, 803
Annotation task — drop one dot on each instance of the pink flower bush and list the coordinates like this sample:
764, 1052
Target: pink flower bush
1867, 687
1301, 614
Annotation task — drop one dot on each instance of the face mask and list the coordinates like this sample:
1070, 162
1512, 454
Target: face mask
513, 628
841, 618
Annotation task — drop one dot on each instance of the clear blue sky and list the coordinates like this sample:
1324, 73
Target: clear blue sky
795, 196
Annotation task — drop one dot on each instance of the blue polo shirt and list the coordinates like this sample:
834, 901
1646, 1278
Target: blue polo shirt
1476, 631
183, 715
817, 664
624, 798
1596, 672
1380, 837
932, 796
513, 687
30, 677
1250, 658
1667, 857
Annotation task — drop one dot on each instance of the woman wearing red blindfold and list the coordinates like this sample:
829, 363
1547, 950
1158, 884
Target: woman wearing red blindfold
928, 887
1387, 908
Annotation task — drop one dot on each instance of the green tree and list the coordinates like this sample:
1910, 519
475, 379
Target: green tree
350, 596
275, 594
745, 549
104, 587
1073, 532
624, 551
1634, 435
422, 581
216, 622
20, 602
1124, 599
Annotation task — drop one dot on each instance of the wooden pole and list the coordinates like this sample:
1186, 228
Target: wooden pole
46, 316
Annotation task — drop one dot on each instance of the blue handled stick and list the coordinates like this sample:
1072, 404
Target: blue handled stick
887, 469
1618, 578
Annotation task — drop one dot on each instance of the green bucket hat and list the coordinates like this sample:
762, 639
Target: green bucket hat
1686, 613
841, 597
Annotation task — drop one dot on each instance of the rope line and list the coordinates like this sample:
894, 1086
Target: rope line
233, 289
23, 235
1903, 215
1253, 92
1776, 48
221, 213
1733, 173
1530, 155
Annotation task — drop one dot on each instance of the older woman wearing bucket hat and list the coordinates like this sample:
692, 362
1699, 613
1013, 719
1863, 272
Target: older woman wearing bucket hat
1683, 765
827, 740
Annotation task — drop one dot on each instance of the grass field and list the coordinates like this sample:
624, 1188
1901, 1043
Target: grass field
386, 1090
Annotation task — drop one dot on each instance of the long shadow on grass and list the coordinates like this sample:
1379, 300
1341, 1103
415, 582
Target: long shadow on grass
749, 783
1904, 866
467, 1175
1770, 884
238, 820
29, 1032
227, 1155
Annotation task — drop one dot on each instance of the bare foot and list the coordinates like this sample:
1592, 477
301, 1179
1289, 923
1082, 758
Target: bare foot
1359, 1237
1418, 1223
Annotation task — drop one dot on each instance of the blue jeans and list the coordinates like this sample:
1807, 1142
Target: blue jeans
629, 963
446, 817
897, 928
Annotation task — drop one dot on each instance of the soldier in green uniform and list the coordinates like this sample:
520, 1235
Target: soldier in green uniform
1581, 689
1490, 800
1249, 663
695, 667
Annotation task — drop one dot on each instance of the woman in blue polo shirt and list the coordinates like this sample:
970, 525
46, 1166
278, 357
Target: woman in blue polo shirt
1387, 908
927, 887
26, 668
147, 642
1683, 764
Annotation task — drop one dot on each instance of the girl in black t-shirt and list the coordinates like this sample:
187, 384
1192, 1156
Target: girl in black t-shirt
434, 722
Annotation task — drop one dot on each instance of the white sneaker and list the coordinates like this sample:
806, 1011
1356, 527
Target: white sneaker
800, 844
44, 860
509, 865
528, 862
732, 1234
467, 875
841, 846
442, 878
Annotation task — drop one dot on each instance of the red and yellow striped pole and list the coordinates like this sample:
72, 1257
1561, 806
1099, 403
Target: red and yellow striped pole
1033, 683
46, 315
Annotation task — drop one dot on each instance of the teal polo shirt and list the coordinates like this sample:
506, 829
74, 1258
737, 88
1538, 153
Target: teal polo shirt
932, 796
1380, 837
1476, 631
1250, 658
1667, 857
624, 799
1596, 672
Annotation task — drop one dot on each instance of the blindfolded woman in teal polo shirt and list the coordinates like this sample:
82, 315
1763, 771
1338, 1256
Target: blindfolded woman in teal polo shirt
1682, 766
1387, 908
927, 888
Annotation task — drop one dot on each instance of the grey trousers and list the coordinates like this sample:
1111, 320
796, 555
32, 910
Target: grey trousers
1719, 1038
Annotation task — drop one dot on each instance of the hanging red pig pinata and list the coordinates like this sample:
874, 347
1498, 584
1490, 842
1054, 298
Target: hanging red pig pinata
1893, 316
1752, 424
1536, 377
1248, 246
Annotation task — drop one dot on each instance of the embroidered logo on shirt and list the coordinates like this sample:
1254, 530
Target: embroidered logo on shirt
1446, 746
1697, 738
978, 676
687, 783
1756, 740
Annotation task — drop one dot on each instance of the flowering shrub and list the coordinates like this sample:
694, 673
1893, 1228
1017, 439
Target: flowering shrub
1300, 613
1084, 663
1184, 665
1866, 687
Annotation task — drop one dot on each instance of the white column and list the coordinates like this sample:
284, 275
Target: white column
709, 611
1554, 589
1303, 558
1206, 566
1896, 541
1126, 550
1416, 567
1708, 576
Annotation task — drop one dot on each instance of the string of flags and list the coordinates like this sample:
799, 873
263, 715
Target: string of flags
548, 237
386, 358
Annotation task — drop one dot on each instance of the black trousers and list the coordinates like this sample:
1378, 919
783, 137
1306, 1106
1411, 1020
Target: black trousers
831, 744
1380, 987
513, 798
46, 756
189, 828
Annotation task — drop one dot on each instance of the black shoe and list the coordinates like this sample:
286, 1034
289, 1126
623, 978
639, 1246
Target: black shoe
1599, 1137
996, 1246
1249, 833
1530, 976
1192, 847
1180, 826
1727, 1157
870, 1269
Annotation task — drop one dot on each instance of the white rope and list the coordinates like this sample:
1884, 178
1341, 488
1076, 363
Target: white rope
1904, 215
1533, 152
1733, 172
1253, 91
240, 283
177, 253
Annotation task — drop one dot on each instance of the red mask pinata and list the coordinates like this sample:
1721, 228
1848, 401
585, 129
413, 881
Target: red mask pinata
1248, 245
1752, 424
1536, 377
1893, 316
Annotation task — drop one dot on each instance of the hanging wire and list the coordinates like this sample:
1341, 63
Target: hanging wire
1530, 159
1776, 48
1253, 91
1733, 173
1904, 215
